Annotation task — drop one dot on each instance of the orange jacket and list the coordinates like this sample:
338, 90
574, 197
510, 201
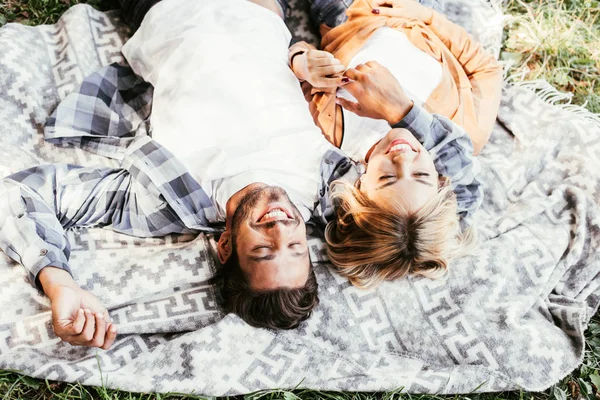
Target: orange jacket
469, 92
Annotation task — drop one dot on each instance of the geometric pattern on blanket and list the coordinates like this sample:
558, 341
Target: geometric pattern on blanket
509, 316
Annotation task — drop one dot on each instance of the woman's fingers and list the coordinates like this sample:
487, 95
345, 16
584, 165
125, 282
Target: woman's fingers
348, 105
372, 64
352, 73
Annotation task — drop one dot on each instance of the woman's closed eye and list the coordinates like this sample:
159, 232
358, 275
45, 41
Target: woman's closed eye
422, 174
386, 177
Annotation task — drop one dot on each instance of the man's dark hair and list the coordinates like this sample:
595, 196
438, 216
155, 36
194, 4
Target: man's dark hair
283, 308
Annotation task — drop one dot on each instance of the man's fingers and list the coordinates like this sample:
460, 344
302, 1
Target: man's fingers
88, 329
100, 331
330, 70
320, 54
348, 105
111, 335
79, 322
327, 83
69, 326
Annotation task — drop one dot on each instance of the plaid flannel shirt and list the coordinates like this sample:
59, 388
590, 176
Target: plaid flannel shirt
151, 193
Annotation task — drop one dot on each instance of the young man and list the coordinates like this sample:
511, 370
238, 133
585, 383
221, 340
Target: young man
222, 150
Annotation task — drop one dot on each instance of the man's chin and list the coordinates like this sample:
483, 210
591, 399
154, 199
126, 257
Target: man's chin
253, 205
273, 199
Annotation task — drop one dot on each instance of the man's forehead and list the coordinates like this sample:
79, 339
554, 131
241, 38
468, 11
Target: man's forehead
282, 271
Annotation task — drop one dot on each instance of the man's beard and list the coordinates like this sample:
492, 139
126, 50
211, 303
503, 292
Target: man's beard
251, 199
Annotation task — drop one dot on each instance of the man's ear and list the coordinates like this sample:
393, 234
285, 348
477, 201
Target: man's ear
224, 247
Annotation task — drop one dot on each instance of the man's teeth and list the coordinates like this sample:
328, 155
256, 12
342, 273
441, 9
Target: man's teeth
401, 147
275, 214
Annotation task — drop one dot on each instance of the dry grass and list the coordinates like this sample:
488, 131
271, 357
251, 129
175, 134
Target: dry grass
559, 41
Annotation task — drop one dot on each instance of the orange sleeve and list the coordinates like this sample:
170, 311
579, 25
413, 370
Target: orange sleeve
483, 71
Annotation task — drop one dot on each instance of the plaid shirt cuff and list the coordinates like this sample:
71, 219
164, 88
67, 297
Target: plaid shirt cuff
418, 122
40, 255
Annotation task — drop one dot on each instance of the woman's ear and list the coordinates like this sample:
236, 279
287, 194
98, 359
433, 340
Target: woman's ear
224, 247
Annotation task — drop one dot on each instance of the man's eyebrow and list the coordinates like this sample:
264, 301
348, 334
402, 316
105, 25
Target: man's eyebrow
264, 258
272, 256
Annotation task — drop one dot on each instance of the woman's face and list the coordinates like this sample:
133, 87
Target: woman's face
399, 167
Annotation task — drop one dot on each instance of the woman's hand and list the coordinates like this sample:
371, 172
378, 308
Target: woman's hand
377, 92
319, 68
402, 8
78, 317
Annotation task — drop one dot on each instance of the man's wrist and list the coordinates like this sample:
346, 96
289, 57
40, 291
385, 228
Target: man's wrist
297, 57
53, 277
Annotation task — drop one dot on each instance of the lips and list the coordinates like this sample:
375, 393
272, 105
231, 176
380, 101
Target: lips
400, 145
275, 212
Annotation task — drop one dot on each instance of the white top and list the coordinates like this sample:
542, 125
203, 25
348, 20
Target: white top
225, 101
418, 73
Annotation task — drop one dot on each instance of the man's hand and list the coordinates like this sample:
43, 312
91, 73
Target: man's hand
377, 92
319, 68
78, 317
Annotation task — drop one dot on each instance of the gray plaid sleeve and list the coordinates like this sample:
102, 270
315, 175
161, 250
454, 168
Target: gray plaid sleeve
452, 152
43, 201
105, 114
335, 165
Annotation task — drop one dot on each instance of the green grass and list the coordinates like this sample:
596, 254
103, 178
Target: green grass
559, 41
36, 12
555, 40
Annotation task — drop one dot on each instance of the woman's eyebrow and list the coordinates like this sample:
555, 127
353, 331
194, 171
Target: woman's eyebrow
388, 183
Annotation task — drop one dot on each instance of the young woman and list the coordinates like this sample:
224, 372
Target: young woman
403, 215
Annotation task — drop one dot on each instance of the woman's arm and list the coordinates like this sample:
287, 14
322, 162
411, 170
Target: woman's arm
380, 96
482, 69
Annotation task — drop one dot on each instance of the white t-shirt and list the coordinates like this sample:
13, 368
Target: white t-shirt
226, 102
418, 73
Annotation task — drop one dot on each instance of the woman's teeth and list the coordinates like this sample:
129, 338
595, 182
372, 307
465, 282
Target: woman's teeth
401, 147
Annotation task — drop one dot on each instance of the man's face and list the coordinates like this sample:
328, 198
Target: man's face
270, 239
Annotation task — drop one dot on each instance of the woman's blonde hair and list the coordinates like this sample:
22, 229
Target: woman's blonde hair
371, 242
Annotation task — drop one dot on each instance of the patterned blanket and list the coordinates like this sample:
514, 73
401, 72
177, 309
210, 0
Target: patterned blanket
509, 316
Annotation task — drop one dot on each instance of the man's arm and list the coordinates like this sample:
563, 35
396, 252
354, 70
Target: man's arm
41, 202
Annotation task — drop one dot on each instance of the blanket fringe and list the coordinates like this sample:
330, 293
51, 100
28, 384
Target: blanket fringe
549, 94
